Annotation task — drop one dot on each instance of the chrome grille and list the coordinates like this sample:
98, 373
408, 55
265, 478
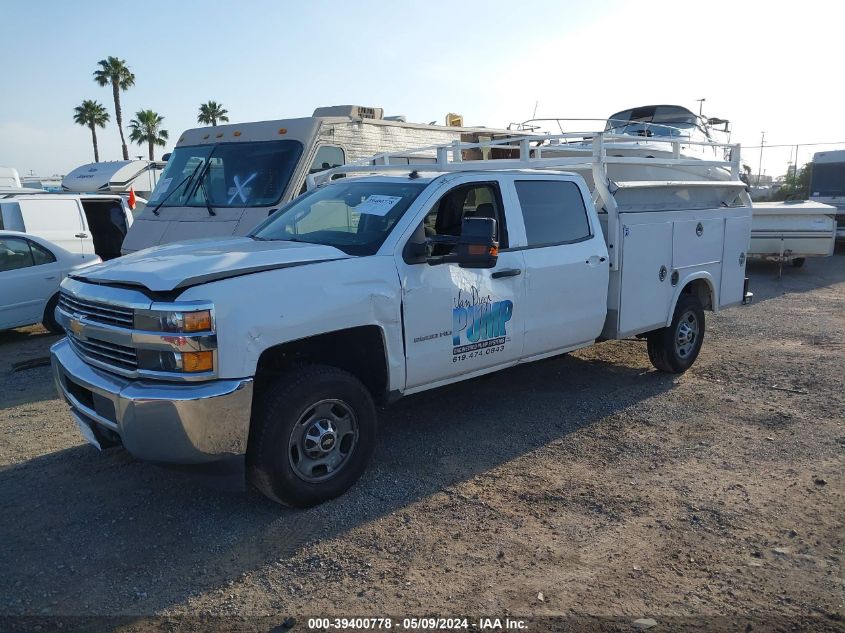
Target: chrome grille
99, 312
109, 353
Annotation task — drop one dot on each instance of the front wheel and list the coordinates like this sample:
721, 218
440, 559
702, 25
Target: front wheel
797, 262
313, 432
674, 349
49, 319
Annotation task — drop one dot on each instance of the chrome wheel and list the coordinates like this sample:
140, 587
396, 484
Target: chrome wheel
322, 440
686, 335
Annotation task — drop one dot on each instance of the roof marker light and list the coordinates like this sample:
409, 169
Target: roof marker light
236, 133
283, 130
219, 135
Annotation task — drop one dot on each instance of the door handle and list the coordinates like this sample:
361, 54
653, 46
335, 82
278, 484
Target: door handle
81, 235
48, 277
508, 272
595, 258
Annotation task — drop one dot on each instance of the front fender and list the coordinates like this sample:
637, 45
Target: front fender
262, 310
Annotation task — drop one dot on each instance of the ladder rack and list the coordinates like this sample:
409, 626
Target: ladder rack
536, 151
449, 157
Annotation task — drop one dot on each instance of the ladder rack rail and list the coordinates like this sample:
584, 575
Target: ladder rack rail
531, 148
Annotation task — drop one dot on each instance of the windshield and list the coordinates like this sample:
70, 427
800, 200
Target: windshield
355, 217
669, 121
828, 179
232, 174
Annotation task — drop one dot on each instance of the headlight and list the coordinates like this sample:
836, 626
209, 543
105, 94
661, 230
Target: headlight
175, 362
177, 321
176, 338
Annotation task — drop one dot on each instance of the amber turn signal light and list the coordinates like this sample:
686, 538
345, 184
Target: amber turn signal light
197, 321
197, 361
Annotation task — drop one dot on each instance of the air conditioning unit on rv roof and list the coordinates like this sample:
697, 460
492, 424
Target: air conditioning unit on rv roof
354, 111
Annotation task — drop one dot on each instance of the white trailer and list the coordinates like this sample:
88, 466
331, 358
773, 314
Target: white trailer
118, 176
224, 180
792, 231
9, 178
827, 184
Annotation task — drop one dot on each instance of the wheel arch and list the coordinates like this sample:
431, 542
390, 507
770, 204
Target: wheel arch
698, 284
361, 350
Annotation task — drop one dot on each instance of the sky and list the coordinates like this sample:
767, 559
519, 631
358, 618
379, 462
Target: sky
766, 66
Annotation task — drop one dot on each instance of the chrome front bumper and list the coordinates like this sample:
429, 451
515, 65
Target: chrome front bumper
187, 423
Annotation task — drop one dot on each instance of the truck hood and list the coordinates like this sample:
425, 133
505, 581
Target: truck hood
185, 264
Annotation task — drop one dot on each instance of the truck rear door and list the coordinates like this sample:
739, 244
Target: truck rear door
462, 321
566, 263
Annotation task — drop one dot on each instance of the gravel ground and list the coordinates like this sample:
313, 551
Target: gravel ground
582, 485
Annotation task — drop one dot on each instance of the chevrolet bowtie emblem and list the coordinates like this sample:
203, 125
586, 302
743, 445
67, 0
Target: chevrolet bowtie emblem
76, 327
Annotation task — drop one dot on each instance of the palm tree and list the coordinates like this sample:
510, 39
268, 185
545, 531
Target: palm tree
93, 115
146, 128
114, 71
212, 112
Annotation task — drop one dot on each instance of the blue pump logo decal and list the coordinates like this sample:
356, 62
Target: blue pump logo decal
479, 322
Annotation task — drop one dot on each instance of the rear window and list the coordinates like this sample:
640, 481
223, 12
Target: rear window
553, 211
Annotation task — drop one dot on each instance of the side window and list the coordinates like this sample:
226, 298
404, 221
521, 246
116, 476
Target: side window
41, 255
14, 254
478, 200
553, 211
327, 157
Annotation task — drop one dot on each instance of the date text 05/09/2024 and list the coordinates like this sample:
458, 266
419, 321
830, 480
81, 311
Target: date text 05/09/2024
417, 624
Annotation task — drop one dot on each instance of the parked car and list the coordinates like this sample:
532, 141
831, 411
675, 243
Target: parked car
88, 225
31, 269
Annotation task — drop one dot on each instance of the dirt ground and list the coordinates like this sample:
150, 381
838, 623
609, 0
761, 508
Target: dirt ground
582, 485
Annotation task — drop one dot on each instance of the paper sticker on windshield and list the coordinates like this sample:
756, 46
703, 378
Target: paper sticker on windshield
378, 205
163, 186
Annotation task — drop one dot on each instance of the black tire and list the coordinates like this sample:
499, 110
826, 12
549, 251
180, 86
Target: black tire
798, 262
664, 350
49, 319
282, 423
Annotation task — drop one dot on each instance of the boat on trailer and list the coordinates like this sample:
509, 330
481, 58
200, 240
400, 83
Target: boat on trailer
653, 132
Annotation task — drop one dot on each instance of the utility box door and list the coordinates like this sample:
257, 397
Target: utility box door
697, 242
644, 301
737, 237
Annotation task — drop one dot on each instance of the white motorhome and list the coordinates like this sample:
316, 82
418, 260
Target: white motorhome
266, 354
118, 176
88, 225
224, 180
827, 184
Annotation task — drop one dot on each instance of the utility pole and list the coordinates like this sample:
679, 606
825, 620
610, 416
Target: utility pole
760, 164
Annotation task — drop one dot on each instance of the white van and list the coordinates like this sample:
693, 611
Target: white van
87, 225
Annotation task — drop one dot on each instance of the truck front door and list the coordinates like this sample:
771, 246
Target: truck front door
461, 321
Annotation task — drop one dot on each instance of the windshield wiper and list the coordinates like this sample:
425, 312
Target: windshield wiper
205, 195
187, 178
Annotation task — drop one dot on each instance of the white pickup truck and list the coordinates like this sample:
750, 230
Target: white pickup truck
267, 355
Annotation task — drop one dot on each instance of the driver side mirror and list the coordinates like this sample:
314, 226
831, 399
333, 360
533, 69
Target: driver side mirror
476, 247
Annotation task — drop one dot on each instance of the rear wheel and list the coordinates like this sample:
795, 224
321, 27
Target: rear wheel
49, 319
313, 432
674, 349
